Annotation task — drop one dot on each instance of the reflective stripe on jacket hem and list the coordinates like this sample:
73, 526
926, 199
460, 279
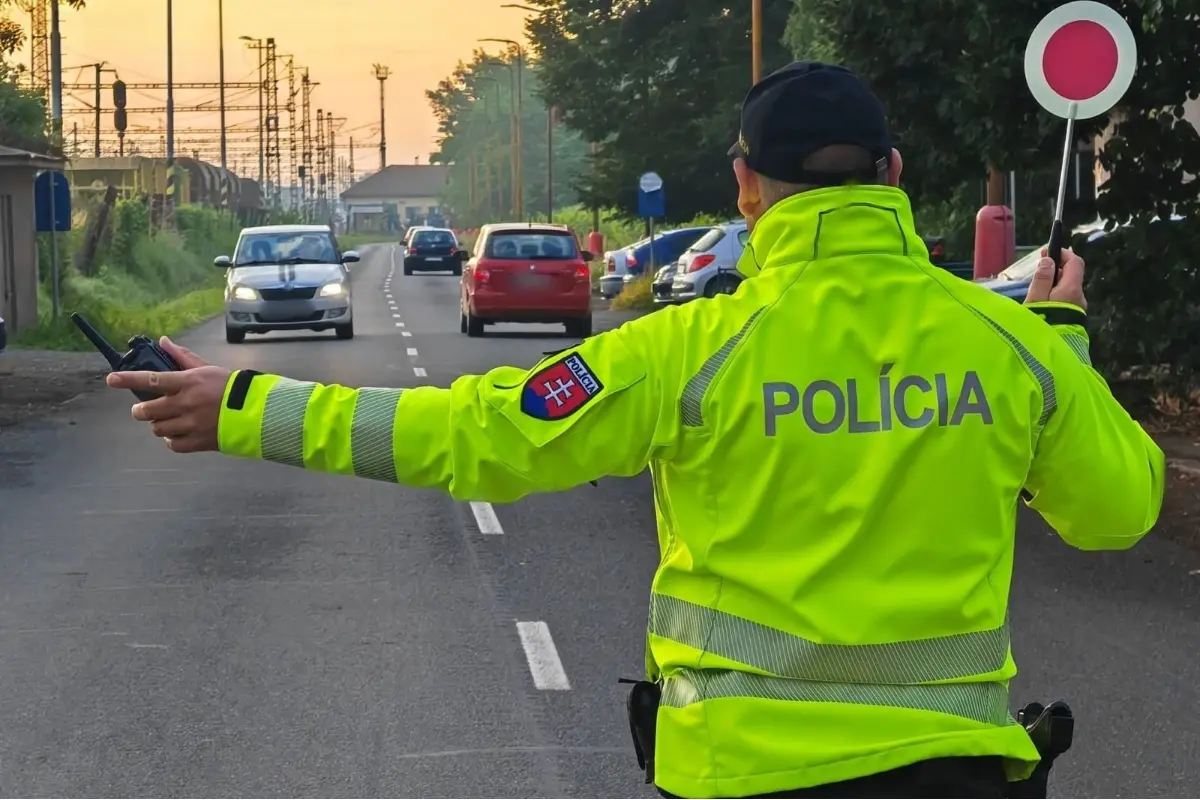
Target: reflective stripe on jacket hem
789, 656
982, 702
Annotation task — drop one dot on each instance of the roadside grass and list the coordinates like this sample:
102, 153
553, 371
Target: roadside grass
636, 295
157, 284
118, 323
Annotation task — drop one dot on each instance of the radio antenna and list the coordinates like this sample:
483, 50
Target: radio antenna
106, 349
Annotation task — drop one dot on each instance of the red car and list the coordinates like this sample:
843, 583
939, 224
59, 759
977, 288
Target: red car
527, 272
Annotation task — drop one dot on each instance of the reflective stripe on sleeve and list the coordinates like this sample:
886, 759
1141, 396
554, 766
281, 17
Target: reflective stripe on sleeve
788, 656
982, 702
372, 432
283, 422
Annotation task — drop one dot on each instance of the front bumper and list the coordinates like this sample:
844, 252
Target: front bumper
258, 316
683, 289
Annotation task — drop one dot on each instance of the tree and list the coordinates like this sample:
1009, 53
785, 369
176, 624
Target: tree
952, 79
474, 110
658, 85
22, 112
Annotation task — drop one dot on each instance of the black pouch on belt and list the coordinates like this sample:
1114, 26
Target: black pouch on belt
642, 705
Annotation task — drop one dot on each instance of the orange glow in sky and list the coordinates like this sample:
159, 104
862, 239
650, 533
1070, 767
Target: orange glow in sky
421, 40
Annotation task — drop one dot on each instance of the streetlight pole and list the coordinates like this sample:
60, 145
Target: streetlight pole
520, 139
549, 132
221, 79
381, 74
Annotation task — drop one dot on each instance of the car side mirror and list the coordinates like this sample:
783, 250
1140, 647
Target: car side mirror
222, 262
588, 256
350, 257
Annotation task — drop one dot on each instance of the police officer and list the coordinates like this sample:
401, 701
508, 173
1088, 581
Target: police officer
837, 450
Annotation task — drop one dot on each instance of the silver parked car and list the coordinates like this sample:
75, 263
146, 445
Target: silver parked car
709, 267
287, 277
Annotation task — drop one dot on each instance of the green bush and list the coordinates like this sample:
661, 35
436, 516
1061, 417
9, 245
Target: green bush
636, 295
153, 282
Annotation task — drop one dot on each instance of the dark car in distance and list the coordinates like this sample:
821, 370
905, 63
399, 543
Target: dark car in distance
433, 250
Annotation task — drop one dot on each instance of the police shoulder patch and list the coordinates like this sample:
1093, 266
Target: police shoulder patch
560, 389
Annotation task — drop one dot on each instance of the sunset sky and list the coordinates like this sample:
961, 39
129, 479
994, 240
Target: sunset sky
420, 40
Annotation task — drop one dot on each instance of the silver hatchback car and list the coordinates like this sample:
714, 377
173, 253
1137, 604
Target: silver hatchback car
287, 277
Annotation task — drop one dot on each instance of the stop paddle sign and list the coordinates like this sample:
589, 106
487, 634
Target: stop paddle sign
1080, 54
1079, 62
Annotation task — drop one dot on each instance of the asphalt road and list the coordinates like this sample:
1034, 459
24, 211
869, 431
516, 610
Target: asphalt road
200, 626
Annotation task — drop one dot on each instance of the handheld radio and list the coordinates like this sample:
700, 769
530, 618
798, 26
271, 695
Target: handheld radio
143, 356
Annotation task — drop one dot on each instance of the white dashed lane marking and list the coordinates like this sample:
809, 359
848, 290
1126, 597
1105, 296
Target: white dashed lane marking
485, 517
399, 324
405, 333
540, 652
419, 372
412, 351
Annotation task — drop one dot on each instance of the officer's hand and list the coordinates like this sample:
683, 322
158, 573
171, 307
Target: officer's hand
1070, 282
187, 415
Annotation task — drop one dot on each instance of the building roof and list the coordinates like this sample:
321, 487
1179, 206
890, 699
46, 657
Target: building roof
12, 157
399, 181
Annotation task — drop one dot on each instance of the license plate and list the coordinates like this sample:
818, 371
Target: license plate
433, 258
532, 281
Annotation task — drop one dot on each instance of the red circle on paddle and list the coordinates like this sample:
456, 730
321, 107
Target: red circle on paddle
1080, 60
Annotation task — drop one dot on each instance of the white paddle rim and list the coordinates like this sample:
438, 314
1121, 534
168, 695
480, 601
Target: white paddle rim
1117, 27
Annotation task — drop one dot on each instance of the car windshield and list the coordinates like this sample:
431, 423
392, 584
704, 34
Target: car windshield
534, 245
708, 240
285, 247
434, 238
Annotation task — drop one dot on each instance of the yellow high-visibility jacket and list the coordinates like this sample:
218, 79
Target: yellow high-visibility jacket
837, 451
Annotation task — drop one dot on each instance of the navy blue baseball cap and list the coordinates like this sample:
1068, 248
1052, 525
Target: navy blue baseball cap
804, 107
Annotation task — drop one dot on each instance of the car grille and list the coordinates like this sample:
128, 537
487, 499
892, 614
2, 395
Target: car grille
295, 293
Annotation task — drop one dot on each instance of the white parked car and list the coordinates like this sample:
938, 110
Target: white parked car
616, 267
709, 267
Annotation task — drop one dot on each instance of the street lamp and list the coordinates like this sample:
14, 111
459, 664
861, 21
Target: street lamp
253, 43
520, 165
549, 133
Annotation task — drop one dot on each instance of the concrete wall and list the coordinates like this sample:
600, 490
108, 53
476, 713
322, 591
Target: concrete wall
18, 249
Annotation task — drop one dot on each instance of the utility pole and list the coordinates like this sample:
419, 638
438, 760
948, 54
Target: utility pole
320, 145
550, 164
350, 164
381, 75
756, 40
257, 45
519, 122
306, 142
98, 67
220, 79
291, 110
274, 164
169, 204
56, 71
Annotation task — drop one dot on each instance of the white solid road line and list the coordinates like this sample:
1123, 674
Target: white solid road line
544, 664
420, 372
412, 351
485, 517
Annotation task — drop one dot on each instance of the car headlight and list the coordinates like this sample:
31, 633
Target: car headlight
244, 293
335, 289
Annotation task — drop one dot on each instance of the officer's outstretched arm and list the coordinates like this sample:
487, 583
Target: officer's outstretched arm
1097, 477
601, 408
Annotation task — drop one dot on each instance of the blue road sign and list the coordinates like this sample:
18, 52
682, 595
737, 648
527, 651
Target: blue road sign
652, 200
52, 202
